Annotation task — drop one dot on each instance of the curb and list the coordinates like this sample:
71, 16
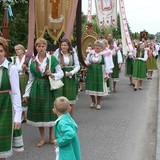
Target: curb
158, 119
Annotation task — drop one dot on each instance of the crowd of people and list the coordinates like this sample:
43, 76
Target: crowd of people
26, 88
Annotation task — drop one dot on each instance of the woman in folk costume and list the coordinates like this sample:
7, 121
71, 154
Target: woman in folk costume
97, 74
117, 60
151, 61
38, 94
139, 66
19, 60
129, 63
10, 106
67, 56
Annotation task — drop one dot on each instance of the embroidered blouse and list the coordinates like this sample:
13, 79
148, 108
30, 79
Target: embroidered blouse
42, 66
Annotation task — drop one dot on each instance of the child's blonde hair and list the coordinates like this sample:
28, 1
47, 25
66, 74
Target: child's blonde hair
61, 104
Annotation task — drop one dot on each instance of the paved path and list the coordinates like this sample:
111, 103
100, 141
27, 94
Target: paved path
125, 128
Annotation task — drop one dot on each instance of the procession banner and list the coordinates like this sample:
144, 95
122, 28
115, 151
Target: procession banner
126, 40
89, 14
106, 13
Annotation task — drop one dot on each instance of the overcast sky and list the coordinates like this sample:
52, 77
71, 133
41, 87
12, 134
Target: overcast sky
141, 14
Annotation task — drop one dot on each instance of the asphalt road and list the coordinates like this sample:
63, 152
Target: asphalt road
124, 129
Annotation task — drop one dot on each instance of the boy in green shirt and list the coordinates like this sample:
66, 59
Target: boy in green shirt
66, 138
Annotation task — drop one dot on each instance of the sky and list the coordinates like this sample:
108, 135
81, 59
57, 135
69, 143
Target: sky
141, 14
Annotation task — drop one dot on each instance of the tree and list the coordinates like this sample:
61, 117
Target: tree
84, 22
151, 36
19, 24
158, 35
117, 31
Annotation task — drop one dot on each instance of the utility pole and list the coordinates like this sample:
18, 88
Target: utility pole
5, 27
79, 30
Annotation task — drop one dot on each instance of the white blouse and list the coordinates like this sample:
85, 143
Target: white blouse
18, 63
76, 66
42, 65
93, 57
119, 54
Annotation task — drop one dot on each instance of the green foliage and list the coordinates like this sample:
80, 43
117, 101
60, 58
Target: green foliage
1, 16
18, 26
151, 36
84, 22
158, 35
103, 31
135, 35
117, 31
12, 2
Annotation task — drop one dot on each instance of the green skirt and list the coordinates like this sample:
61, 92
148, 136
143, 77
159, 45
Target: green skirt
151, 64
108, 82
115, 73
139, 69
23, 82
9, 139
95, 84
40, 104
129, 67
70, 88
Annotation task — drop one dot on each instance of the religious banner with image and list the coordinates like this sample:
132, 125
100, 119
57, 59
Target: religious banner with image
55, 17
106, 13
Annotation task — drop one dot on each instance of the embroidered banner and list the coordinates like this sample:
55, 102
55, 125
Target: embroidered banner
55, 17
106, 12
126, 40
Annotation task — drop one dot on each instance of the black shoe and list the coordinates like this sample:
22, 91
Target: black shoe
135, 89
24, 121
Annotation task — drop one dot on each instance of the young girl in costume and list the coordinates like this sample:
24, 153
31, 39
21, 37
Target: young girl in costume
139, 67
10, 106
151, 61
38, 93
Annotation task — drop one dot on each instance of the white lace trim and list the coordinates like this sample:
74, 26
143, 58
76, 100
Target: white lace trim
6, 154
41, 124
